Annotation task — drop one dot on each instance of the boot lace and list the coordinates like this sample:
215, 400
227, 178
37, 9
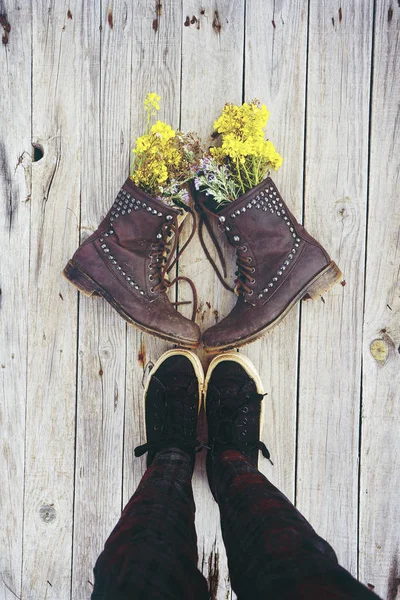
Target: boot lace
244, 270
173, 433
228, 414
164, 257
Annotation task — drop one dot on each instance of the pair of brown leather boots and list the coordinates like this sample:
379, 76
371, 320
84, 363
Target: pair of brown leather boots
127, 260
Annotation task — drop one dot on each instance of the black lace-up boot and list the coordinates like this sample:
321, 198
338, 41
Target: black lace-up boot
233, 393
172, 401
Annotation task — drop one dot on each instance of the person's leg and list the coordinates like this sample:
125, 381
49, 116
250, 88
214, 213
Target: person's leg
152, 552
273, 552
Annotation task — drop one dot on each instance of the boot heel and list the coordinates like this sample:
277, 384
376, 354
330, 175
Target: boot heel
324, 282
80, 280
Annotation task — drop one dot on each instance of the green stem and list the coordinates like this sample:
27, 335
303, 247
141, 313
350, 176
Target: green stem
250, 182
239, 176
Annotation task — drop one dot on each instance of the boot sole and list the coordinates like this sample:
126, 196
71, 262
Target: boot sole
247, 365
89, 287
320, 284
196, 364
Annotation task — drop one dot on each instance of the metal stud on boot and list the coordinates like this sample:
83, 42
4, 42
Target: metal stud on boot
278, 263
126, 261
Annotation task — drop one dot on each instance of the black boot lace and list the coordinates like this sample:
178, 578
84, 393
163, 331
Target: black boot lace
164, 257
228, 434
171, 431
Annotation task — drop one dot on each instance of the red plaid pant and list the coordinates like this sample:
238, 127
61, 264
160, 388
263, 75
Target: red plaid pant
273, 552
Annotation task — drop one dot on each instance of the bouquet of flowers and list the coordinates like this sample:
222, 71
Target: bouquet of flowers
163, 158
242, 159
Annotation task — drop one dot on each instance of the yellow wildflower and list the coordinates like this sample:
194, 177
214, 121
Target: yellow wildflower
163, 157
151, 102
162, 130
243, 146
271, 155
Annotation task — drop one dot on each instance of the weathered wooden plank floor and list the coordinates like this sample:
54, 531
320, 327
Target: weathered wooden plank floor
73, 78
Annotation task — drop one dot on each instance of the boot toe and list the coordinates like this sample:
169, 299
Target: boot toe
180, 329
188, 332
222, 334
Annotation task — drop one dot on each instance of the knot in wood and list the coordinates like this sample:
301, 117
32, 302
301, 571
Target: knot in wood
47, 513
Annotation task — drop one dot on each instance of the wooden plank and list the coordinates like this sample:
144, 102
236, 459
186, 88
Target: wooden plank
380, 462
156, 68
212, 74
15, 157
52, 310
102, 333
335, 211
212, 70
275, 72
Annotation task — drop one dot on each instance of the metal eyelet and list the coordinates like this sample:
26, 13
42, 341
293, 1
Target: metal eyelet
150, 277
244, 248
251, 292
249, 259
252, 281
252, 269
152, 290
245, 409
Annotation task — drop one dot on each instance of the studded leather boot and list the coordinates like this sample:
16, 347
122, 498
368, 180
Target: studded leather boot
126, 261
278, 263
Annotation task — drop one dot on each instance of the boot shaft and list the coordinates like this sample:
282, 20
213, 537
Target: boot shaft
126, 238
268, 239
126, 261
